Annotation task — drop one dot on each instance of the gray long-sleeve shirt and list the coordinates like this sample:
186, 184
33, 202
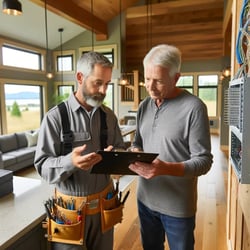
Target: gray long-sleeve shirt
58, 169
179, 131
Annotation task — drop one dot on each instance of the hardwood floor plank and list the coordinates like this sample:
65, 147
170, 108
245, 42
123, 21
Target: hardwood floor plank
210, 223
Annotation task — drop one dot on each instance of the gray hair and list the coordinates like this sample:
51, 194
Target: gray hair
88, 60
166, 56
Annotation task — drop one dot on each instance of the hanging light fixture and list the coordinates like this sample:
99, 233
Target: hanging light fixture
48, 63
123, 78
149, 25
12, 7
148, 36
226, 72
61, 31
92, 25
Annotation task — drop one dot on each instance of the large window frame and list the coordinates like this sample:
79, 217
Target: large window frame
211, 88
196, 87
25, 48
43, 99
22, 81
17, 55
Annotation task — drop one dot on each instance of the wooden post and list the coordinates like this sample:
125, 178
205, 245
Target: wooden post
136, 89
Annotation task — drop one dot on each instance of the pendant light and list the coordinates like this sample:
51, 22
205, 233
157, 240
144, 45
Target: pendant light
48, 63
92, 26
148, 37
123, 78
149, 24
12, 7
61, 31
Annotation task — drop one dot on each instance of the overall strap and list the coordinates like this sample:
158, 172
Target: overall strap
104, 129
67, 133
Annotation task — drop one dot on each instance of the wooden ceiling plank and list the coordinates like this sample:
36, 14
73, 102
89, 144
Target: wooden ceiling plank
166, 33
179, 18
174, 40
173, 7
197, 27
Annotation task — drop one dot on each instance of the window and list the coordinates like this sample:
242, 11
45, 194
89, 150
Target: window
65, 63
23, 105
108, 54
110, 51
109, 99
21, 58
203, 85
186, 82
65, 90
207, 91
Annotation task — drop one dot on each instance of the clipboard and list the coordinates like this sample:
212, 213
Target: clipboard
117, 162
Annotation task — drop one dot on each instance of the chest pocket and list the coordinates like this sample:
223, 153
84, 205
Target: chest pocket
80, 138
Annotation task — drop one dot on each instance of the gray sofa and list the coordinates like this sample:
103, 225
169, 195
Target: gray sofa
17, 150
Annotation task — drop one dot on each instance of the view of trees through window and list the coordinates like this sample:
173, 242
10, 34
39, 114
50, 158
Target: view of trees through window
23, 107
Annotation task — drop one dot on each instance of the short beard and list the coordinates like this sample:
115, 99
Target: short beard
92, 100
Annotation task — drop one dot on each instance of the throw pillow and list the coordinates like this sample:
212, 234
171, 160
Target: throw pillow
31, 138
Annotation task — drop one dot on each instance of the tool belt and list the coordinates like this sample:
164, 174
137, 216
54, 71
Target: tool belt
65, 221
92, 202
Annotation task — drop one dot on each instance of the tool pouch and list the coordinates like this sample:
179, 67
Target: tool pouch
111, 212
69, 229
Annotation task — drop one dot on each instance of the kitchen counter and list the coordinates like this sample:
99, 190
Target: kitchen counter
23, 209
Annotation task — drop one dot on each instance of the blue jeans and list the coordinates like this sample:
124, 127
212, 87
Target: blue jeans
154, 225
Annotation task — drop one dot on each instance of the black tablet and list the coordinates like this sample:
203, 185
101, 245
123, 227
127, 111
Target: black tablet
117, 162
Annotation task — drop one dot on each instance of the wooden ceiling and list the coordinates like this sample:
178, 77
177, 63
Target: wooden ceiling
195, 26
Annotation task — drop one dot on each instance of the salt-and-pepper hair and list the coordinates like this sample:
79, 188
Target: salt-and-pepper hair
87, 61
166, 56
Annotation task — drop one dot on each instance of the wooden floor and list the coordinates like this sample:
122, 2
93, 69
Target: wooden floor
210, 233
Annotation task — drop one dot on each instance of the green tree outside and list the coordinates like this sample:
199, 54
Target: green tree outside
15, 111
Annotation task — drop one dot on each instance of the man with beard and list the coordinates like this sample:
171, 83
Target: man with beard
70, 173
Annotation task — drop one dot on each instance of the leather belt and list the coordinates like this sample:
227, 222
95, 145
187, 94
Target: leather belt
91, 201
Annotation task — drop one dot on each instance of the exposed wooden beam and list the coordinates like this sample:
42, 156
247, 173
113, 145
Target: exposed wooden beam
227, 16
72, 12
